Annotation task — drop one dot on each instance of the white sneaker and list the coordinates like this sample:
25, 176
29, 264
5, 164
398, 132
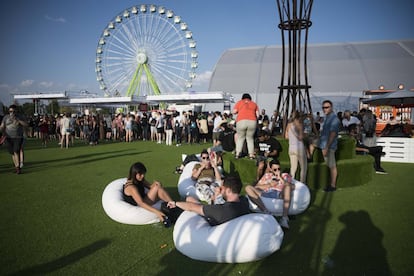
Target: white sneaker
284, 222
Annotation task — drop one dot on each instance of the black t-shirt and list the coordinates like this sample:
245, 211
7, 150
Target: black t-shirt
268, 146
221, 213
226, 138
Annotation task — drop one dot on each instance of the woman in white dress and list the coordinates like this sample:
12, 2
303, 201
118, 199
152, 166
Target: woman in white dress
297, 150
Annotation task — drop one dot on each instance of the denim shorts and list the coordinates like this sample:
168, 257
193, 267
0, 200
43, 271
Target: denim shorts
271, 194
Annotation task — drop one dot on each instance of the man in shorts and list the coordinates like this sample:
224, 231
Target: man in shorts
266, 148
328, 142
235, 205
272, 185
12, 126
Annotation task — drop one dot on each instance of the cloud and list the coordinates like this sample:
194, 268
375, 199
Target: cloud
4, 86
46, 84
202, 79
55, 19
26, 83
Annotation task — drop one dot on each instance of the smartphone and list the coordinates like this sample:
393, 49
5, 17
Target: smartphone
212, 155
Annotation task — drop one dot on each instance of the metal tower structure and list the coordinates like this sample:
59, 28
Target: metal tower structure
294, 86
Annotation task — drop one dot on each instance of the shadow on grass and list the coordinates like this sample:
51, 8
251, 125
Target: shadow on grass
302, 243
65, 260
82, 159
358, 249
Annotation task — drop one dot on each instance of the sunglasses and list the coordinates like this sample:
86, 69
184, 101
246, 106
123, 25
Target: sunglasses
326, 107
205, 158
276, 169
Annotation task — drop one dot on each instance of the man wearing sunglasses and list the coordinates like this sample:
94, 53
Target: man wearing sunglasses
12, 126
207, 175
328, 142
272, 185
267, 148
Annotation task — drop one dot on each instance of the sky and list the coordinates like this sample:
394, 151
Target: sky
50, 45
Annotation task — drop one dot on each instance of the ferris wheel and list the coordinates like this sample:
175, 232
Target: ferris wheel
146, 50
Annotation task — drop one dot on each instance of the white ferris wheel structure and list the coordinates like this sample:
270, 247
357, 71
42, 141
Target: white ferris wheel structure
146, 50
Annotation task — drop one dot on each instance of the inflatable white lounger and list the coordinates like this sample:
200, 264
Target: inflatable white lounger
299, 202
244, 239
121, 211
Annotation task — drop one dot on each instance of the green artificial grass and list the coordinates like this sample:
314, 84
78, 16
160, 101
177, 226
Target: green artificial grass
52, 220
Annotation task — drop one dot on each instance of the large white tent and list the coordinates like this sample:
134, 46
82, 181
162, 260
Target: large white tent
339, 72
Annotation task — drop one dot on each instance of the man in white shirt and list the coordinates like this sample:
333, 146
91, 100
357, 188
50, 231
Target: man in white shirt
349, 120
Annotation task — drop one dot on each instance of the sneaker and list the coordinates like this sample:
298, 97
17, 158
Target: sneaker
284, 222
21, 165
381, 171
329, 189
18, 170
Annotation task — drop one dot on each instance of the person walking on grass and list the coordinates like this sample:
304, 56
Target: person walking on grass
12, 126
65, 131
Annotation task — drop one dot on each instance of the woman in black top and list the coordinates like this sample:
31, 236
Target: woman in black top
138, 191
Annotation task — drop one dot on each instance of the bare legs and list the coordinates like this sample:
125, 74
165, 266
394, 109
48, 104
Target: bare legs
254, 195
157, 192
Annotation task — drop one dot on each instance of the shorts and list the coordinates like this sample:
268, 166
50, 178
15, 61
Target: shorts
330, 158
160, 130
264, 159
216, 135
271, 194
14, 145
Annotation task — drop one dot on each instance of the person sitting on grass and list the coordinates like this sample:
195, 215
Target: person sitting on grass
360, 148
138, 191
272, 185
266, 148
233, 207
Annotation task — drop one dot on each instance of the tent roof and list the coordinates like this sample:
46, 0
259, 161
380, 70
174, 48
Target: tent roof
333, 69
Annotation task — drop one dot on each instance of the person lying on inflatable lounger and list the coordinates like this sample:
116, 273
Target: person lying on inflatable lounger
234, 206
273, 184
138, 191
208, 177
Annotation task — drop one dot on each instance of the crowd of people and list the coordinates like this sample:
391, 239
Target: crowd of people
246, 131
